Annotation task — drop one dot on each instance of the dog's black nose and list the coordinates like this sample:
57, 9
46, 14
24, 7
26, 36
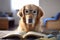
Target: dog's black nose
30, 20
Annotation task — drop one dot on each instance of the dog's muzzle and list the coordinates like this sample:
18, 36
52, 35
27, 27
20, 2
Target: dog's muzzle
30, 20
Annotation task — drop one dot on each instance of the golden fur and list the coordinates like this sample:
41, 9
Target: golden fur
22, 23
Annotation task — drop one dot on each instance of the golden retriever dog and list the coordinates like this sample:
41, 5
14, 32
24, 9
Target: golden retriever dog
30, 16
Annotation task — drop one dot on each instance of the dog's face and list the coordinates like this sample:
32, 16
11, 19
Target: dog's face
30, 15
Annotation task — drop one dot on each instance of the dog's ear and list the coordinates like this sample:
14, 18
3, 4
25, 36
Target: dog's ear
40, 12
21, 12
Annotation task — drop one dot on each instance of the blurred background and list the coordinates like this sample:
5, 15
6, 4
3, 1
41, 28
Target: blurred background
9, 9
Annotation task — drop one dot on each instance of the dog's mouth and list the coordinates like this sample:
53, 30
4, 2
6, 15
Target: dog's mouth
30, 23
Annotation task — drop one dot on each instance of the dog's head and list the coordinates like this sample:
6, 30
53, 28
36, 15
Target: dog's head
30, 14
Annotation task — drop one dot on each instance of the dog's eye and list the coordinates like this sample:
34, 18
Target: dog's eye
35, 12
26, 11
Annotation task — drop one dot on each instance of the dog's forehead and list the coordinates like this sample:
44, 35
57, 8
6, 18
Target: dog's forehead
32, 7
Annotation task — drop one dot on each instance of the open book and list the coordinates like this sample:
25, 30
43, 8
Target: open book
28, 35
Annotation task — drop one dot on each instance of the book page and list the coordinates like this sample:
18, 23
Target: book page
34, 33
11, 33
